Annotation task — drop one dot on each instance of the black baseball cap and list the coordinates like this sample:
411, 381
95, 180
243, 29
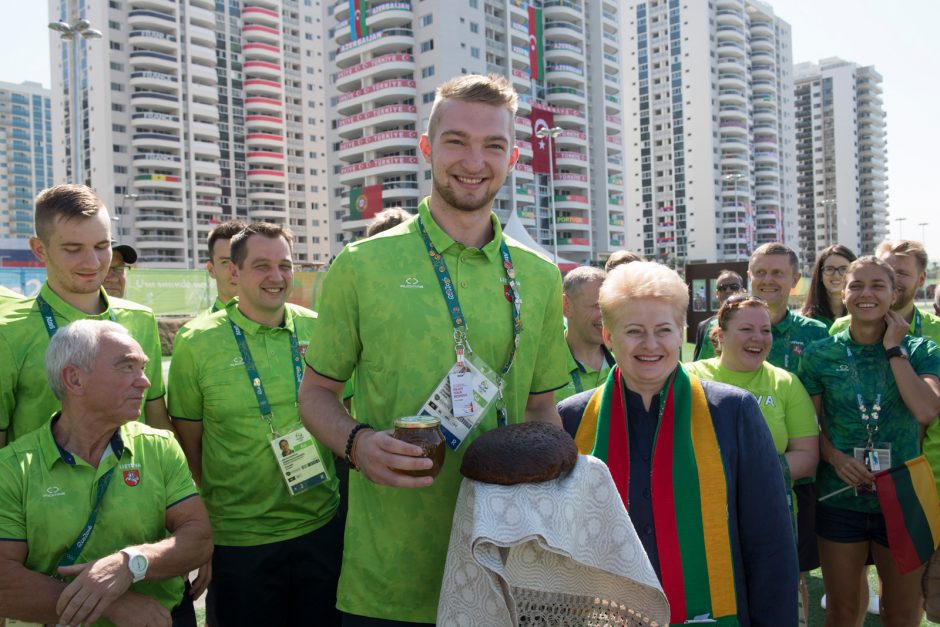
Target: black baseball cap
128, 253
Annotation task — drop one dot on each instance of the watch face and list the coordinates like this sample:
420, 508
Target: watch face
138, 564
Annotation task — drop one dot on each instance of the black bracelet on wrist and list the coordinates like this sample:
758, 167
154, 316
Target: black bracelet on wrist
351, 439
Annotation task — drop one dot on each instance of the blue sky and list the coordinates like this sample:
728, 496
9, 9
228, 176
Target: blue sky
900, 38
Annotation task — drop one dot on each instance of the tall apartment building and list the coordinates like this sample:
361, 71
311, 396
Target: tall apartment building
196, 112
842, 168
382, 83
708, 108
25, 157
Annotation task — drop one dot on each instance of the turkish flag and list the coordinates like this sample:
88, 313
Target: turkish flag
541, 146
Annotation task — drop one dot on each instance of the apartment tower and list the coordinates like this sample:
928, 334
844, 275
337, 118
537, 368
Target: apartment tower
842, 168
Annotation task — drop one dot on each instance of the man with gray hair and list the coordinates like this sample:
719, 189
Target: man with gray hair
589, 361
121, 555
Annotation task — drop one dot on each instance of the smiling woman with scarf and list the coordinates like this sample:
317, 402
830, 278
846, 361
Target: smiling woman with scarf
693, 461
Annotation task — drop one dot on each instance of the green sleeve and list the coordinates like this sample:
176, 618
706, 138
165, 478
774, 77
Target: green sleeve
808, 373
184, 392
551, 363
841, 324
925, 357
176, 476
12, 498
8, 376
800, 414
335, 344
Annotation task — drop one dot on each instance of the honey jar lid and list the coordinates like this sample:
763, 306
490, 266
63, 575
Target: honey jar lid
417, 422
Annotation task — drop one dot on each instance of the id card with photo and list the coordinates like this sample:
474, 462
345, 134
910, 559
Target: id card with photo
875, 458
462, 398
299, 460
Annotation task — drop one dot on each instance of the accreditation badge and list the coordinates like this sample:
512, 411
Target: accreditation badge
875, 457
462, 398
299, 460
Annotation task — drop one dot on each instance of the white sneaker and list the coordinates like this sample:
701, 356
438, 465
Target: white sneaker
874, 604
822, 602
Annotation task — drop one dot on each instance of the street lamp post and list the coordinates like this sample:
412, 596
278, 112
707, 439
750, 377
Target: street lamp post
923, 232
899, 221
80, 29
551, 134
737, 176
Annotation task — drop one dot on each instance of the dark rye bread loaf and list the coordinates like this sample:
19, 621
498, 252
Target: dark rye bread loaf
529, 452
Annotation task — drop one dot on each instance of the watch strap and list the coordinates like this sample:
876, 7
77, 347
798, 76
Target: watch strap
896, 351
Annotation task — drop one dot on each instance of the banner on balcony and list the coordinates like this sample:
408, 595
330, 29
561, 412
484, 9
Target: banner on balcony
536, 47
358, 11
365, 202
541, 146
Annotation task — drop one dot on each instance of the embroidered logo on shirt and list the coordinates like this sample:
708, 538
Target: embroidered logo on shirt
237, 362
53, 491
796, 348
132, 477
412, 283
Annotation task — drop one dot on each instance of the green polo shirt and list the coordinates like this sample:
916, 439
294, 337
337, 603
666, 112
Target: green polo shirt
47, 495
248, 501
582, 377
787, 408
827, 370
383, 315
26, 401
8, 294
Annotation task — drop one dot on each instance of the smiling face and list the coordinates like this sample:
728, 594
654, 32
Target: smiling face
746, 342
470, 154
584, 314
77, 254
265, 277
772, 278
868, 293
909, 278
646, 340
833, 273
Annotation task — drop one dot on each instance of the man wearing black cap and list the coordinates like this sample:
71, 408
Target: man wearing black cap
122, 256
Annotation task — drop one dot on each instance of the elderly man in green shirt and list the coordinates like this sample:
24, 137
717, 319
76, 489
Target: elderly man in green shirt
73, 240
589, 361
233, 397
99, 517
410, 310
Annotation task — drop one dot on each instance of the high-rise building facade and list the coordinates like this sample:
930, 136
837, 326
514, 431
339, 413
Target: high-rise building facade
383, 74
195, 112
25, 157
708, 114
842, 168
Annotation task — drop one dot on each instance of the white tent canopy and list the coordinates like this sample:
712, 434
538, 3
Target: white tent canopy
515, 230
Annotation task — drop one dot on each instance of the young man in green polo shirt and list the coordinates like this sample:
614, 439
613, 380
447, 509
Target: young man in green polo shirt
99, 517
386, 312
73, 240
233, 397
589, 361
219, 243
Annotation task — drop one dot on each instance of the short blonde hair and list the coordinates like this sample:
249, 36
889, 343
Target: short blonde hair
904, 248
491, 89
642, 279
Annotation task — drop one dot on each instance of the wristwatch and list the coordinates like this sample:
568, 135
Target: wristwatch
137, 563
896, 351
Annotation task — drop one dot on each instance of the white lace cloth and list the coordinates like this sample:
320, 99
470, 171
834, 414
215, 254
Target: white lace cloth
558, 553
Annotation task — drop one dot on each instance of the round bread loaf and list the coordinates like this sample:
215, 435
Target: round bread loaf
529, 452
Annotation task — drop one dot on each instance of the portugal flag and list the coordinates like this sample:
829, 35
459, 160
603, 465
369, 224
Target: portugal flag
541, 146
536, 60
908, 498
365, 202
358, 9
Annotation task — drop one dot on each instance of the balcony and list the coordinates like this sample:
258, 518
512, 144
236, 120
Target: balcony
155, 100
153, 120
262, 69
146, 60
388, 140
562, 9
145, 19
262, 87
149, 79
264, 140
257, 175
260, 158
261, 34
263, 123
387, 66
389, 115
381, 42
155, 140
258, 15
385, 92
384, 166
261, 52
153, 40
563, 52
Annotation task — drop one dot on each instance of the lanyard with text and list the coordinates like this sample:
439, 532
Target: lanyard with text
917, 323
48, 318
576, 376
255, 378
461, 342
870, 418
75, 550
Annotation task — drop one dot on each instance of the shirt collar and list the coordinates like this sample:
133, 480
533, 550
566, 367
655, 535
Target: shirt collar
69, 312
784, 325
442, 241
574, 364
52, 452
251, 327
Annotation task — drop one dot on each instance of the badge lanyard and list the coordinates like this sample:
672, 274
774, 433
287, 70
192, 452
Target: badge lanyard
48, 318
917, 322
75, 550
576, 373
255, 378
869, 418
461, 342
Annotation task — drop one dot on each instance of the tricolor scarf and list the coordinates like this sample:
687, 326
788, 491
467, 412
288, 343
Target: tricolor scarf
692, 535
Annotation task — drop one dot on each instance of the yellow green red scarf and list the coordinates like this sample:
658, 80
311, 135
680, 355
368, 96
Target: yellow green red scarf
692, 535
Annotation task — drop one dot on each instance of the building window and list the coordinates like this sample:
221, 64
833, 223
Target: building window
427, 20
474, 52
474, 27
427, 45
427, 72
474, 4
428, 97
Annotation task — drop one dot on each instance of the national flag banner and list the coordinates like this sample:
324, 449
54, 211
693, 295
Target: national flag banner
908, 498
358, 11
365, 202
541, 146
536, 47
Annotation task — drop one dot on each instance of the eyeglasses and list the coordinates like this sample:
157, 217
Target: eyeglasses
729, 287
831, 270
117, 269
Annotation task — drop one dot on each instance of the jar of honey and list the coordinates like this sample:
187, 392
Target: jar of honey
423, 431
